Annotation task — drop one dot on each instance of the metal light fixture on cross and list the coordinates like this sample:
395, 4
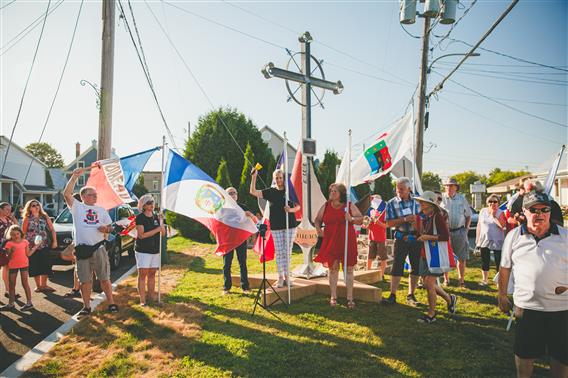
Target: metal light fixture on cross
307, 82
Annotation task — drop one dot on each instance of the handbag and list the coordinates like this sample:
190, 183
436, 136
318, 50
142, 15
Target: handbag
85, 251
439, 254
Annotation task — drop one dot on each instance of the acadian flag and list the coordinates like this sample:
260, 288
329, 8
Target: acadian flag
382, 155
115, 178
191, 192
440, 256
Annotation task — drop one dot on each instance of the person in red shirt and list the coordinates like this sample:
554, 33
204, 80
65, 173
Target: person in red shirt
377, 233
330, 224
18, 252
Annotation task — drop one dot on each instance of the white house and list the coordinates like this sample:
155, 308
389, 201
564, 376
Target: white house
17, 185
276, 144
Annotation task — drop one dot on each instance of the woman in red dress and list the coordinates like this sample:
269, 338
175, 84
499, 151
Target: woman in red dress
333, 215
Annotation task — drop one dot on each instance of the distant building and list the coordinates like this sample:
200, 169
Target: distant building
276, 144
24, 178
152, 181
560, 189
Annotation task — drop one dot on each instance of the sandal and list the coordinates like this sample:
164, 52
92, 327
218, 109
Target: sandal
84, 312
333, 302
427, 319
112, 308
350, 303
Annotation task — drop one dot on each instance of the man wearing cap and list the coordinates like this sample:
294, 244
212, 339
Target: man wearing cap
536, 254
402, 211
459, 218
91, 223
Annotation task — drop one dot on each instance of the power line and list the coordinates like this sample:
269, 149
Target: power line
25, 88
5, 5
22, 34
509, 106
500, 65
518, 79
58, 85
367, 74
197, 82
453, 26
558, 68
142, 61
495, 24
467, 109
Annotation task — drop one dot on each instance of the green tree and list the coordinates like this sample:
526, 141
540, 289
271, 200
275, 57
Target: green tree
244, 184
465, 179
211, 141
431, 181
497, 176
222, 177
46, 154
326, 169
385, 187
139, 189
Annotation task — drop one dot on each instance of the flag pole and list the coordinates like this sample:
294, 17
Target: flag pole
161, 220
347, 208
549, 184
287, 198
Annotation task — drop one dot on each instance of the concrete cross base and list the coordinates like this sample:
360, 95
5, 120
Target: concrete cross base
301, 288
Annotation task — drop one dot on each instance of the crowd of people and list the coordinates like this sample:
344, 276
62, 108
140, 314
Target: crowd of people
527, 241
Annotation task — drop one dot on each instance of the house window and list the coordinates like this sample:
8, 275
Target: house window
81, 180
156, 185
81, 164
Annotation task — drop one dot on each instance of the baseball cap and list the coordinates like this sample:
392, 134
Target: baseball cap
534, 198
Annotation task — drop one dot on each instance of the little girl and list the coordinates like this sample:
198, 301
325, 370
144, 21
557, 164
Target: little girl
18, 252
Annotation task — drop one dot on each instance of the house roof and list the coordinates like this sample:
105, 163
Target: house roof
5, 142
39, 188
71, 166
507, 186
58, 178
544, 168
271, 130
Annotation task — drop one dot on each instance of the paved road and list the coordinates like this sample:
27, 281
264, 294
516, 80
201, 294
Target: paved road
21, 331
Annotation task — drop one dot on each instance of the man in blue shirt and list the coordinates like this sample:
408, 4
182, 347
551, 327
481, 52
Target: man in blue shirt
402, 211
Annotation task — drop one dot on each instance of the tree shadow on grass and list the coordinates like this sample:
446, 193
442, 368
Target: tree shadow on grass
198, 264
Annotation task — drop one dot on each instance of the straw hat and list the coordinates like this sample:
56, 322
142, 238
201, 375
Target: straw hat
428, 197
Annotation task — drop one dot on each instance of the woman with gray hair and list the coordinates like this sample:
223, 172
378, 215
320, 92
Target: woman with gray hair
490, 235
149, 225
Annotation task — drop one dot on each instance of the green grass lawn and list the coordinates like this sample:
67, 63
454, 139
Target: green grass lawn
218, 336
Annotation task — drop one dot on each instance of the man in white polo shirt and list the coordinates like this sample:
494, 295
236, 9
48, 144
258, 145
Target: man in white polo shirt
536, 253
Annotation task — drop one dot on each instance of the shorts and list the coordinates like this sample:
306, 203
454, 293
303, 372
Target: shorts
539, 333
380, 247
97, 263
147, 260
425, 271
16, 270
401, 250
460, 244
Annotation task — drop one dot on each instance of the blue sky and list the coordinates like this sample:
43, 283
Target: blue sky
360, 42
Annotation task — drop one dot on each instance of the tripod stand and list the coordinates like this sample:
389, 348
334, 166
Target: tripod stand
265, 283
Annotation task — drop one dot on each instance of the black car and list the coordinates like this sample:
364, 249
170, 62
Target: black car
115, 245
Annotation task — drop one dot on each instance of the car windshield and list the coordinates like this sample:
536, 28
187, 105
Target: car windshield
64, 217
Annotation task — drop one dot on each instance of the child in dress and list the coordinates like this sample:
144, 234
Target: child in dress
18, 252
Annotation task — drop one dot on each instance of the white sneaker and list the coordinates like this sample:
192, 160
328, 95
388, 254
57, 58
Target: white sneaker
280, 283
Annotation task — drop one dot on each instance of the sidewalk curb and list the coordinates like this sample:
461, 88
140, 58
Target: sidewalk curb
31, 357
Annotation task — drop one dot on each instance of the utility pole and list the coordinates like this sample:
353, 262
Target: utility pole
419, 143
107, 74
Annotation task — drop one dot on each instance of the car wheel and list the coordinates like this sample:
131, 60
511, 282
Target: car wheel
114, 257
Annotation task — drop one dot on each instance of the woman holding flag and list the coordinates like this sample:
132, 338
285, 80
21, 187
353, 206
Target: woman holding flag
432, 227
333, 215
279, 210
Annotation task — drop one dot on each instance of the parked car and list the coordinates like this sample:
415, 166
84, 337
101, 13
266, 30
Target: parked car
116, 244
473, 224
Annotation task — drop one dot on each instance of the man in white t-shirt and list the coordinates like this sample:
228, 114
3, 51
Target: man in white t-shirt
536, 253
90, 224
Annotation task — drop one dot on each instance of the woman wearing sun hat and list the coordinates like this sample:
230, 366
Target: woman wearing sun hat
147, 246
431, 217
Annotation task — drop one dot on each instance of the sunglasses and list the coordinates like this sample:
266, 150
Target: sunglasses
493, 201
543, 210
231, 193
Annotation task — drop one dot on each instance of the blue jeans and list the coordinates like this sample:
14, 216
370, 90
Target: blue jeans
228, 260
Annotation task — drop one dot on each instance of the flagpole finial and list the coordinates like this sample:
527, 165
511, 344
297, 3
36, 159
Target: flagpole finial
349, 131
